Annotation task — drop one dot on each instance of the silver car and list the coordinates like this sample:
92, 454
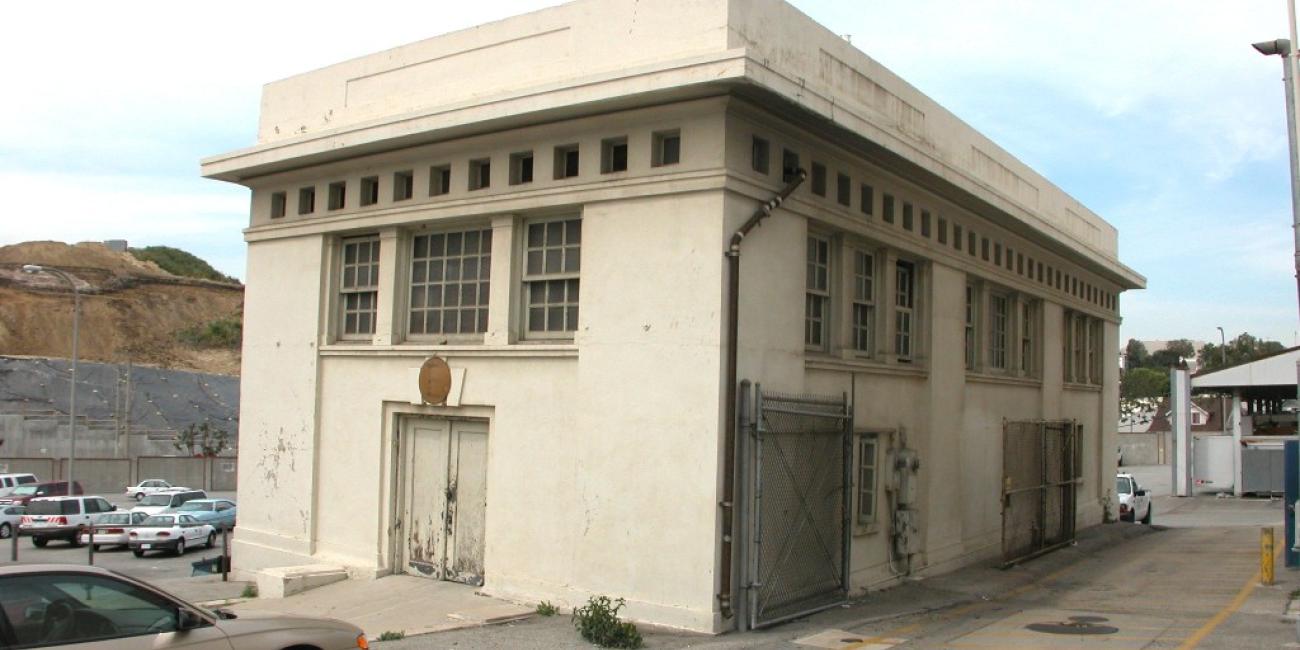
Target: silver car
66, 606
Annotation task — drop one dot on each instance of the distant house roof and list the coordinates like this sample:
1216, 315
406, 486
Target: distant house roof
1274, 370
1212, 406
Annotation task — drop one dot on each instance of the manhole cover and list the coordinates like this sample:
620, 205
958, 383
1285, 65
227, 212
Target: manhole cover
1075, 625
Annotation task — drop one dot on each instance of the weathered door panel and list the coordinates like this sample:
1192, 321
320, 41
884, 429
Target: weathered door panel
469, 487
426, 463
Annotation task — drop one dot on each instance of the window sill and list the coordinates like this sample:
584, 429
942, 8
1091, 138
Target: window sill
861, 530
346, 349
1091, 388
1005, 380
854, 364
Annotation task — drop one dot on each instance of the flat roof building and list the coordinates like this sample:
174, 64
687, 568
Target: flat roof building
546, 205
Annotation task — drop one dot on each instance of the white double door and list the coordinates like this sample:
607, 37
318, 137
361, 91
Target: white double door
444, 498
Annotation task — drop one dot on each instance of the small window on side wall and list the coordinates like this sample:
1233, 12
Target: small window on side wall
306, 200
818, 179
613, 155
566, 161
480, 174
439, 180
789, 165
521, 168
278, 200
667, 148
403, 185
760, 157
369, 190
338, 195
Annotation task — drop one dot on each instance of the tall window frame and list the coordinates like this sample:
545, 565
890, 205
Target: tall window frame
551, 277
866, 480
358, 287
817, 294
971, 338
906, 323
1028, 327
999, 331
864, 302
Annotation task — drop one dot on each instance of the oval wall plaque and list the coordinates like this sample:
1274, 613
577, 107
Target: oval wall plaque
435, 381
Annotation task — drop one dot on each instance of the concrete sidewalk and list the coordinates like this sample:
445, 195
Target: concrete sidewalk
403, 604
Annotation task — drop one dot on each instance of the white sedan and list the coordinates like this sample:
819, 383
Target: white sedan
170, 532
146, 487
9, 518
1134, 501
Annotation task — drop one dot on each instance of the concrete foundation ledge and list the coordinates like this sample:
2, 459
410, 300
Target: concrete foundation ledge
278, 582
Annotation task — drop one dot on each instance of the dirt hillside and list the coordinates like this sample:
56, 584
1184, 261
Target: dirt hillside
131, 310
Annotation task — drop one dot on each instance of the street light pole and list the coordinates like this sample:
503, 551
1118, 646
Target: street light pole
72, 396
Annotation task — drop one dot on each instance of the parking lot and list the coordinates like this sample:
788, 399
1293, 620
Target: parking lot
152, 567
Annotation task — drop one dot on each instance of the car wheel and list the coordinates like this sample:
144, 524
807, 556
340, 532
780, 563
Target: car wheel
1147, 519
139, 496
212, 540
96, 547
6, 531
75, 540
39, 542
137, 552
180, 546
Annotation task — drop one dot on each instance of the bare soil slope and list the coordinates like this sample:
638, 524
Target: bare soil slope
131, 310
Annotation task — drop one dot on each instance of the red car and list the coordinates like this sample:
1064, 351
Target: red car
24, 493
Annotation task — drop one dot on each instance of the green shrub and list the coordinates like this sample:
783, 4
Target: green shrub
178, 262
220, 333
250, 591
598, 623
545, 608
392, 636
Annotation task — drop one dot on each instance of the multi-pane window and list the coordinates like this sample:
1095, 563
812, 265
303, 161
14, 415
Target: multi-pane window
359, 286
864, 301
553, 258
1028, 325
971, 295
1079, 354
904, 309
450, 275
818, 294
868, 460
999, 320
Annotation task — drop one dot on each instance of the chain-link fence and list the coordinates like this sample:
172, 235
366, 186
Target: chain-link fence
1041, 468
799, 552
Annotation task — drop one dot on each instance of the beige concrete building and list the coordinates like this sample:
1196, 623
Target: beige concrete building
546, 203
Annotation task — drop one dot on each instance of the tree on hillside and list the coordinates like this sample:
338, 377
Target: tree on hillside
1243, 349
179, 262
202, 440
1140, 391
1135, 354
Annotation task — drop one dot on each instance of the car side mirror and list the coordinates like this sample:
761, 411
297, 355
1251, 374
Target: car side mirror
112, 508
187, 619
1141, 493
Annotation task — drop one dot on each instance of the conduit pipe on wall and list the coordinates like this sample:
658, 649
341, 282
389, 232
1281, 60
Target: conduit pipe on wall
733, 327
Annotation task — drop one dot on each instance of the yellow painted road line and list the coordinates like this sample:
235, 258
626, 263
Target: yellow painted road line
1223, 614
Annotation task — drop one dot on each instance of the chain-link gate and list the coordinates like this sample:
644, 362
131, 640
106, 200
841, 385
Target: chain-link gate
798, 456
1041, 470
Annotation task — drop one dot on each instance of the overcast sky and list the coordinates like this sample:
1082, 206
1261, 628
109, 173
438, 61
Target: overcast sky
1158, 115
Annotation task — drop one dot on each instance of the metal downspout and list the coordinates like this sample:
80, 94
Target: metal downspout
733, 327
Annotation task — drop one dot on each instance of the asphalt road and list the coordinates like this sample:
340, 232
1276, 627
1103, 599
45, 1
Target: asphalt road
151, 567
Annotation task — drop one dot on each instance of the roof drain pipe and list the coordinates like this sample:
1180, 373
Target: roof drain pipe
733, 327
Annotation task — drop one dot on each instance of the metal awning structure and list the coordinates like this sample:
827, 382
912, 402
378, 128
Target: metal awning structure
1271, 379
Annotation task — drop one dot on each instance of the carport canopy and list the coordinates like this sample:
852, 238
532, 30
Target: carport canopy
1263, 383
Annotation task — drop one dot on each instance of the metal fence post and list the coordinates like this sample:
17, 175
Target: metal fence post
225, 553
91, 544
13, 555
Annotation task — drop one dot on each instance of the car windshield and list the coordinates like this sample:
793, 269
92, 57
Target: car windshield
24, 489
157, 500
160, 520
1123, 485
